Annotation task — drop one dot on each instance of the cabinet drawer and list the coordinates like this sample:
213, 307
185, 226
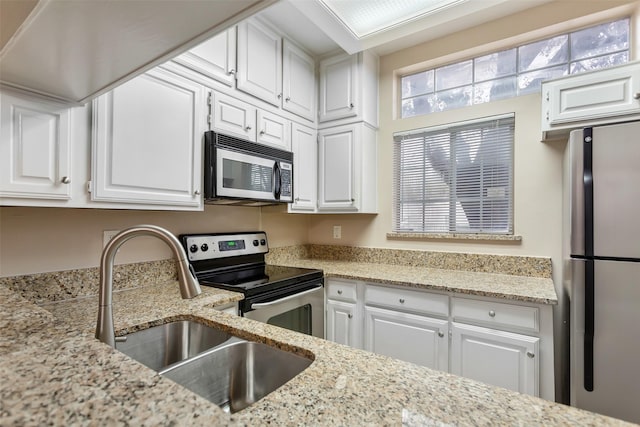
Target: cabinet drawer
344, 291
495, 314
407, 300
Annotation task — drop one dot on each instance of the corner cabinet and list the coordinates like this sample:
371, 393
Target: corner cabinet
35, 147
304, 145
347, 164
597, 97
508, 345
147, 142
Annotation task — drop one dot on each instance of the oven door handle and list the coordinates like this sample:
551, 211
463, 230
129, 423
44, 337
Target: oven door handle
281, 300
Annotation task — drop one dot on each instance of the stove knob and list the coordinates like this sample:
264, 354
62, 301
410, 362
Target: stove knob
204, 247
263, 242
193, 248
256, 243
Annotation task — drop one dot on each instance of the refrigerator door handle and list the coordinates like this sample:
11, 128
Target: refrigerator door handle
587, 179
589, 323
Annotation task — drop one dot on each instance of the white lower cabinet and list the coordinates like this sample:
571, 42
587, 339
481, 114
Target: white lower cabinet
417, 339
496, 357
509, 345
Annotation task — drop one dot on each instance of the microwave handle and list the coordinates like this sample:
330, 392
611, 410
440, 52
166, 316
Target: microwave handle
277, 181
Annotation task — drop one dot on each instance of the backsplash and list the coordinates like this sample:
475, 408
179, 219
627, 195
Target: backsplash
482, 263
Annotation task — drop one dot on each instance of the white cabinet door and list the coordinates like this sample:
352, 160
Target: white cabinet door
35, 148
273, 130
304, 144
495, 357
215, 58
336, 153
147, 145
343, 325
338, 87
233, 117
260, 61
417, 339
299, 81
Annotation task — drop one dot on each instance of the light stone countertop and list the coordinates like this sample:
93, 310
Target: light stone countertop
509, 287
54, 372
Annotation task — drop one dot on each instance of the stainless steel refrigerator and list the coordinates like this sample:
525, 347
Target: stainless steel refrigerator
602, 268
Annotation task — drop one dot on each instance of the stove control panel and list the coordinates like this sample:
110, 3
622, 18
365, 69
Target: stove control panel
212, 246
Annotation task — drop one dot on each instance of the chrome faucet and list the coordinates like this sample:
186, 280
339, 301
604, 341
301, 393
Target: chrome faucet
189, 286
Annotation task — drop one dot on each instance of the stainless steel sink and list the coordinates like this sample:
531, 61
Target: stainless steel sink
163, 345
227, 370
237, 374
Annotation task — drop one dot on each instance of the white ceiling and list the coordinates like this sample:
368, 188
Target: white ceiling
314, 27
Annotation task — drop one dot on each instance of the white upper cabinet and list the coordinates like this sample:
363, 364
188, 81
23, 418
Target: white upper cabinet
35, 148
259, 61
347, 164
233, 117
304, 144
273, 130
215, 58
349, 88
299, 81
598, 97
147, 146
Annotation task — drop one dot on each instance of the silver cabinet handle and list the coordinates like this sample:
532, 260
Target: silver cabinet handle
279, 96
196, 193
351, 106
492, 313
531, 354
401, 300
339, 291
288, 98
262, 132
636, 95
350, 315
247, 128
65, 180
231, 72
297, 200
440, 334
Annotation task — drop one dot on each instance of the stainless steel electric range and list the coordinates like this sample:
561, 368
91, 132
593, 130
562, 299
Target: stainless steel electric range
288, 297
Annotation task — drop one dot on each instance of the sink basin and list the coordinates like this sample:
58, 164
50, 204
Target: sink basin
238, 374
227, 370
163, 345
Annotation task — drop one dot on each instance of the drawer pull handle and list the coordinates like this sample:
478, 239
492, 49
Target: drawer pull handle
440, 334
401, 300
531, 354
339, 291
492, 313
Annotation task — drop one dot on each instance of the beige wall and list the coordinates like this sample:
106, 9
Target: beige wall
537, 165
36, 240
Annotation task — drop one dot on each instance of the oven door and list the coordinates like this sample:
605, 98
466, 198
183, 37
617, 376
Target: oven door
301, 312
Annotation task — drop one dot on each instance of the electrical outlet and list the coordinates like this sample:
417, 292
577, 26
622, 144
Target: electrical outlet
337, 232
107, 235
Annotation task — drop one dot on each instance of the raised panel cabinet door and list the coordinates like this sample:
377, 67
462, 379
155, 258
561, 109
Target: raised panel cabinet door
499, 358
215, 58
233, 117
338, 86
147, 144
298, 81
35, 148
341, 323
417, 339
336, 168
259, 61
304, 144
273, 130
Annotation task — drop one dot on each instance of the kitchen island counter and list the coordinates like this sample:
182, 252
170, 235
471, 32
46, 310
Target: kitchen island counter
55, 372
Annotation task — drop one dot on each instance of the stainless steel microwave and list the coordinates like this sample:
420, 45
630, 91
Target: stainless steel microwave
240, 172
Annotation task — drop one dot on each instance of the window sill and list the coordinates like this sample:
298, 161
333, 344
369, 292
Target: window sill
455, 236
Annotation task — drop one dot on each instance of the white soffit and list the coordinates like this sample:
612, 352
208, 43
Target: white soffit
357, 25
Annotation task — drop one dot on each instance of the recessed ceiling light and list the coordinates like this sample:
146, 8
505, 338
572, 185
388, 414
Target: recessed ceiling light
366, 17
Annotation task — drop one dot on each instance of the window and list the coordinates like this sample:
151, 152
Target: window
516, 71
456, 178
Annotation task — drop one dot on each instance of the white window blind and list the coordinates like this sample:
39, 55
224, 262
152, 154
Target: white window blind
456, 178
